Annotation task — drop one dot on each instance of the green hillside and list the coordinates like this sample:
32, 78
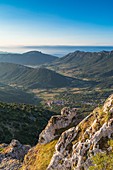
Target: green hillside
22, 122
26, 77
12, 94
96, 66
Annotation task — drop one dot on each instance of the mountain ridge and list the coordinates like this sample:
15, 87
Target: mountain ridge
27, 58
87, 65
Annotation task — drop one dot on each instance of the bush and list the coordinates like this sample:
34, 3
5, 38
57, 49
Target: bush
102, 161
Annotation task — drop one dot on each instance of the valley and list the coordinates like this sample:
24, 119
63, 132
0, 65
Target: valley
78, 76
32, 95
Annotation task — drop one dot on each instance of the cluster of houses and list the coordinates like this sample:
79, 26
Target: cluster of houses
55, 102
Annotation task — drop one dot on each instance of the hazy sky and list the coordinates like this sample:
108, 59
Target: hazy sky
56, 22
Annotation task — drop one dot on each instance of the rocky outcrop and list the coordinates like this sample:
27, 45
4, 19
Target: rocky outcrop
58, 124
78, 156
77, 145
108, 106
12, 155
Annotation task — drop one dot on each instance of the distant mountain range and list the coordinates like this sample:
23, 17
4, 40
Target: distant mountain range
28, 58
97, 66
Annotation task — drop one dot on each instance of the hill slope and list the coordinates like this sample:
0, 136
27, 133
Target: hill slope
23, 76
28, 58
90, 65
22, 122
16, 95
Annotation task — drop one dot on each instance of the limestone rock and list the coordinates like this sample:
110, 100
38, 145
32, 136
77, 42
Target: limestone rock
12, 155
77, 145
108, 104
58, 124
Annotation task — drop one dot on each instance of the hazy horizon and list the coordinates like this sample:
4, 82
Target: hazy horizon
57, 50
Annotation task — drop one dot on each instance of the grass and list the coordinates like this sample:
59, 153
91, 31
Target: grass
1, 150
39, 157
102, 161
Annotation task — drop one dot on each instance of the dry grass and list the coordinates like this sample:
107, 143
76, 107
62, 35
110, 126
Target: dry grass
39, 157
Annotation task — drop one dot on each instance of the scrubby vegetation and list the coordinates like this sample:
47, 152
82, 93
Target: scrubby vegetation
22, 122
10, 94
102, 161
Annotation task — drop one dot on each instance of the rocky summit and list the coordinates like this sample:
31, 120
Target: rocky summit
69, 142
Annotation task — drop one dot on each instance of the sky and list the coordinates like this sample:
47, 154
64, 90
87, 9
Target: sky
56, 22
